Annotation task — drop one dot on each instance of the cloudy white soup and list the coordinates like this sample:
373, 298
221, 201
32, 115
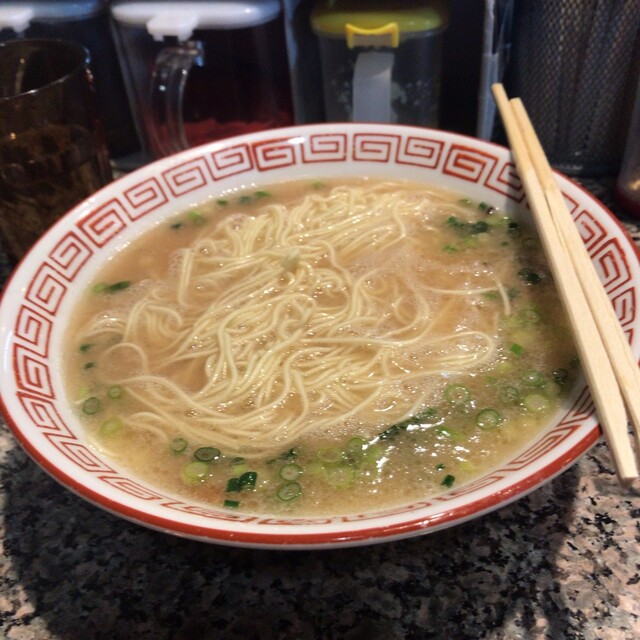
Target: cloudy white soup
321, 348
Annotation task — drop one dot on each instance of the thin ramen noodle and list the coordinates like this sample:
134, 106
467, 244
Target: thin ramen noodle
321, 347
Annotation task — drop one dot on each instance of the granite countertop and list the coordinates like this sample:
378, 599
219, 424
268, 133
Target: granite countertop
561, 563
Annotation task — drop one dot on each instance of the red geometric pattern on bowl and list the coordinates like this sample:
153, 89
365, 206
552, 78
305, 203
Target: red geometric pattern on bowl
420, 151
443, 157
612, 263
131, 487
105, 222
275, 154
145, 197
47, 289
591, 230
230, 161
44, 413
326, 147
380, 147
187, 176
504, 179
624, 304
33, 330
70, 254
208, 512
32, 373
467, 163
78, 453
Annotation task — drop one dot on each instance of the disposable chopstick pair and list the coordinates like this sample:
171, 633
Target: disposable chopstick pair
609, 365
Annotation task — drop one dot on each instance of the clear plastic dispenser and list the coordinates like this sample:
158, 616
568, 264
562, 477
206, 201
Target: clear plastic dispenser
201, 71
381, 61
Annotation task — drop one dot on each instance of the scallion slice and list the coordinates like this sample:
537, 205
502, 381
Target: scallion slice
291, 471
206, 454
329, 455
448, 481
289, 491
488, 419
110, 426
178, 445
457, 394
115, 392
194, 472
248, 480
91, 405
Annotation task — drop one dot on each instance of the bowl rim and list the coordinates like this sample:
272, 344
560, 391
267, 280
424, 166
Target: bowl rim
277, 535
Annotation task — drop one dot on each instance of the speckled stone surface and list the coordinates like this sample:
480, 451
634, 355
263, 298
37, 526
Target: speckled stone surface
562, 563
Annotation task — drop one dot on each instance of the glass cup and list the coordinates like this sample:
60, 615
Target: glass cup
53, 151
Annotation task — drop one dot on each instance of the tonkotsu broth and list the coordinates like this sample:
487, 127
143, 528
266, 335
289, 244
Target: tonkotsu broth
320, 348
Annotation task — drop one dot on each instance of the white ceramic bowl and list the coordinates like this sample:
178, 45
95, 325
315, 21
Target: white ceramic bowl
40, 294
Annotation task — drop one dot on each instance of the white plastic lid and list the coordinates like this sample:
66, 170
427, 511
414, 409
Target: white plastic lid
181, 19
15, 18
18, 15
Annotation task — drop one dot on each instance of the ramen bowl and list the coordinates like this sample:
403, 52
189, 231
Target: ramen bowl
39, 298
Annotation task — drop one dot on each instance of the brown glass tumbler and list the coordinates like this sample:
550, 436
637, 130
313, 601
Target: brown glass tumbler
53, 151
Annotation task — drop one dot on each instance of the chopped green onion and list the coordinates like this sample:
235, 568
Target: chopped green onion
115, 391
448, 481
233, 484
560, 376
196, 217
85, 346
89, 365
457, 394
509, 395
238, 468
222, 202
110, 426
291, 471
329, 455
248, 480
528, 316
356, 445
341, 476
178, 445
91, 405
440, 467
533, 378
551, 389
206, 454
488, 419
516, 349
231, 504
529, 276
262, 194
289, 491
194, 472
103, 287
373, 453
536, 402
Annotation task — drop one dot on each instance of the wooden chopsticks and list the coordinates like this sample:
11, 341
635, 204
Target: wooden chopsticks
609, 365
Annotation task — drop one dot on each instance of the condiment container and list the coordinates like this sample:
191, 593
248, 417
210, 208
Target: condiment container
85, 22
381, 61
627, 188
200, 71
